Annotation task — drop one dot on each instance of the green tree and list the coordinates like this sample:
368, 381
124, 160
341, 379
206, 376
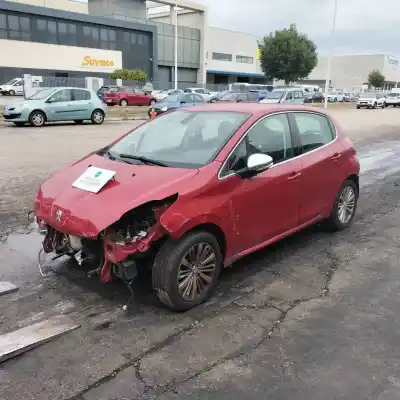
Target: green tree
288, 55
129, 74
376, 79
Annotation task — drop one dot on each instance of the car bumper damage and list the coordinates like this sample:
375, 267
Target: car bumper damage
118, 250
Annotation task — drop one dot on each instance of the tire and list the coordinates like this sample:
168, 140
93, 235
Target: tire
37, 118
374, 106
335, 222
152, 102
123, 103
97, 117
384, 105
79, 121
167, 266
19, 123
358, 107
11, 93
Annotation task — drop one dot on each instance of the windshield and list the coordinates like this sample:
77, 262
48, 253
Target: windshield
42, 94
11, 82
181, 139
274, 95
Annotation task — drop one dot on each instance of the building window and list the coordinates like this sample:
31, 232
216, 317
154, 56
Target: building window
244, 59
3, 26
222, 57
18, 27
66, 33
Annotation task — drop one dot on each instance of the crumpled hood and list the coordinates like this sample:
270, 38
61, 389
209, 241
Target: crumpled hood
87, 214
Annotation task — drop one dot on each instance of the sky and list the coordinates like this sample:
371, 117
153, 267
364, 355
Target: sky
362, 26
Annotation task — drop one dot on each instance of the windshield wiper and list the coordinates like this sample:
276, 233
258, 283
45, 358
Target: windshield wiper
144, 160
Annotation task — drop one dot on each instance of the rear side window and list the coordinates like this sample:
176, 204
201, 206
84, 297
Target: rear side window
315, 130
81, 94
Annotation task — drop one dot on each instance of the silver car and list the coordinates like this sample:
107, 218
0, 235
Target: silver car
57, 104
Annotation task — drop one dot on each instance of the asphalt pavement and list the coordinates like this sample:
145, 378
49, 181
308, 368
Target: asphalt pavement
311, 317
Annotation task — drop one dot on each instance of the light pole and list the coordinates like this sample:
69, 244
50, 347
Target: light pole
176, 45
329, 66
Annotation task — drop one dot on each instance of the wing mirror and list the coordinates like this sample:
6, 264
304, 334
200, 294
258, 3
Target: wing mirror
183, 102
256, 163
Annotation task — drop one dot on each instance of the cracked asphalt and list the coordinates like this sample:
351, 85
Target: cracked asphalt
311, 317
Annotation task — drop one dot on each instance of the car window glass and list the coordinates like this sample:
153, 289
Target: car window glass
314, 130
61, 95
271, 136
298, 94
129, 90
80, 94
242, 97
289, 96
252, 96
237, 160
198, 98
187, 90
138, 91
189, 98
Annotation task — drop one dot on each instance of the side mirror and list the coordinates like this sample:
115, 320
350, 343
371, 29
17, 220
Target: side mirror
256, 163
183, 102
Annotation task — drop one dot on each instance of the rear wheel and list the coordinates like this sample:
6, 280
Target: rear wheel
358, 107
123, 103
37, 118
374, 105
185, 272
97, 117
344, 209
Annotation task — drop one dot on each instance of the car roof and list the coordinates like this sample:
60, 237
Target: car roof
257, 109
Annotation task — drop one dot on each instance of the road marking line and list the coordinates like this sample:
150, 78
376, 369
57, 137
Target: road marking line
7, 287
24, 339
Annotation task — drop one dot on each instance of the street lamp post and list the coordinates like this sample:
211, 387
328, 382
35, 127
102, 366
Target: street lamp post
176, 45
329, 66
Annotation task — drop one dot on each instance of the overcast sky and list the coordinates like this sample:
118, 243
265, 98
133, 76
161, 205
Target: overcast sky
363, 26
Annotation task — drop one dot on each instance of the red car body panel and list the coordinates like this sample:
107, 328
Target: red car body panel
133, 99
250, 213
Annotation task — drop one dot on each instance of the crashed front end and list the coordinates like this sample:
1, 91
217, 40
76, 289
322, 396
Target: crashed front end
122, 247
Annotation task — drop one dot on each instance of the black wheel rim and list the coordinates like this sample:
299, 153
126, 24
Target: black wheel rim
196, 271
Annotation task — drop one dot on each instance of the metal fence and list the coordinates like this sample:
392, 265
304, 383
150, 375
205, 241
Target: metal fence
51, 81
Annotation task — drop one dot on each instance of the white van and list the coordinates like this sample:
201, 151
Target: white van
284, 96
13, 87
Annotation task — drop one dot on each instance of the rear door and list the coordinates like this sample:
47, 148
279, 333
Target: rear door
198, 99
142, 99
60, 106
130, 96
320, 155
83, 103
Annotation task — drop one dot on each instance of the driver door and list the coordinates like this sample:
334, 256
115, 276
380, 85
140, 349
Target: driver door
267, 204
60, 106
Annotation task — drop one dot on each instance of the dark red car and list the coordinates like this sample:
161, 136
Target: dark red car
128, 96
192, 191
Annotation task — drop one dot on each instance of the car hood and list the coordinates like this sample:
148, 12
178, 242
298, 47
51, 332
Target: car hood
86, 213
367, 98
24, 104
161, 105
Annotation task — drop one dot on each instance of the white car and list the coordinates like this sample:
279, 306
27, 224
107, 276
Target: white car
13, 87
204, 93
393, 99
162, 94
333, 97
371, 100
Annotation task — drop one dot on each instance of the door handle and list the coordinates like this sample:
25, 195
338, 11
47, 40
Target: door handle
294, 175
336, 156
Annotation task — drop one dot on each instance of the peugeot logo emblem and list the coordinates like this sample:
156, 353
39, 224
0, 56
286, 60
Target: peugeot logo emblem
59, 215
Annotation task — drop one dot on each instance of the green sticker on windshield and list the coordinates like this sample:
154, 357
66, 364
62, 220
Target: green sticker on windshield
97, 174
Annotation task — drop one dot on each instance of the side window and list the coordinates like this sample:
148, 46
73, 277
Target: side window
80, 94
138, 91
314, 129
236, 161
62, 95
188, 91
189, 98
129, 90
289, 96
271, 136
252, 96
298, 94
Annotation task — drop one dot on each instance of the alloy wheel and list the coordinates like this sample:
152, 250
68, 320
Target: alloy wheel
37, 119
98, 117
196, 270
346, 206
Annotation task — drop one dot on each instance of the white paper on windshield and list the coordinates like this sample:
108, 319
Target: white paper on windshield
93, 179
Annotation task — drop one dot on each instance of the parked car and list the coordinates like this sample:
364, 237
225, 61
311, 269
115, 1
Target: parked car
57, 104
104, 89
216, 97
175, 101
334, 97
371, 100
206, 94
393, 99
237, 97
128, 96
193, 191
314, 97
13, 87
165, 93
284, 96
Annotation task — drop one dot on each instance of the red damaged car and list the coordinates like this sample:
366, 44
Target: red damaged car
192, 191
128, 96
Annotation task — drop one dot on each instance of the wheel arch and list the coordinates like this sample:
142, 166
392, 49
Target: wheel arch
356, 179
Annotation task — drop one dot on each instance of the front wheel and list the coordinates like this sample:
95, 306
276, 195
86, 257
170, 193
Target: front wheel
374, 107
185, 272
358, 107
344, 209
11, 93
123, 103
37, 118
97, 117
